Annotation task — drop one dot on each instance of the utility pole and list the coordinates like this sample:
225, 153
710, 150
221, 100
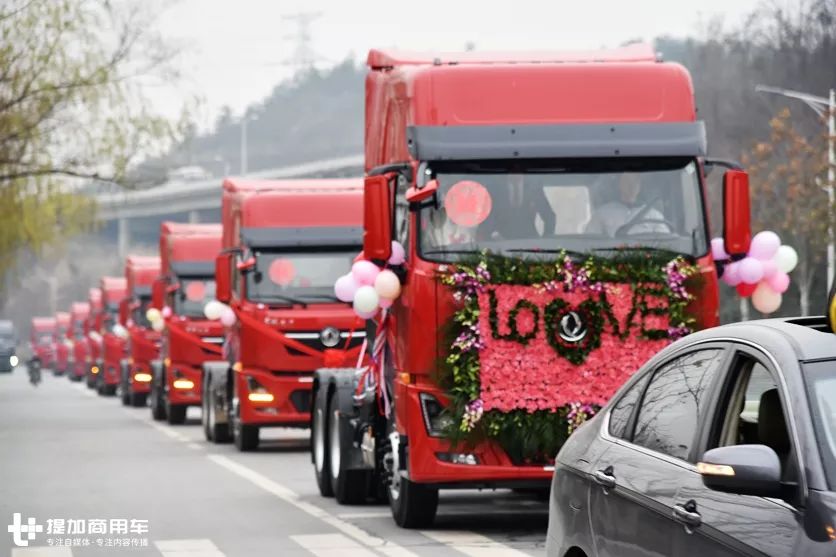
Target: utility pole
247, 117
820, 105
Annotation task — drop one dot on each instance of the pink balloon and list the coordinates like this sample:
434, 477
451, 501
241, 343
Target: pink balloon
718, 249
385, 303
166, 312
365, 272
365, 314
751, 270
779, 282
228, 317
731, 274
764, 245
398, 254
345, 287
769, 268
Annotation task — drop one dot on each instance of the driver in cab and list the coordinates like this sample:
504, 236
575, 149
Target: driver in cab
627, 215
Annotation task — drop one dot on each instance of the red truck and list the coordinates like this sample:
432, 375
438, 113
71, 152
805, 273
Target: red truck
41, 335
143, 344
60, 344
553, 212
186, 285
113, 346
79, 351
93, 362
285, 242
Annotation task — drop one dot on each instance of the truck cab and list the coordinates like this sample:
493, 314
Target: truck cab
143, 342
553, 191
78, 359
186, 284
284, 244
114, 347
41, 334
8, 346
60, 343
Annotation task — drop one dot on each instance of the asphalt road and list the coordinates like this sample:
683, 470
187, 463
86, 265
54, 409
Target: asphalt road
132, 486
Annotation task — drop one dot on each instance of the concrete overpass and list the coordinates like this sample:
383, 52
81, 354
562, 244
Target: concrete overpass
134, 216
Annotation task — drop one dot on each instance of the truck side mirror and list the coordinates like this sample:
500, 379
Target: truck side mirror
223, 277
377, 218
124, 311
737, 231
158, 288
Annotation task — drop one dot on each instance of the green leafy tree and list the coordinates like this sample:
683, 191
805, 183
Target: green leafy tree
72, 112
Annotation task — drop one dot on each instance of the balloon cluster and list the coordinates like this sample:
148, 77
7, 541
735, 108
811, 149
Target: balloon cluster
157, 318
368, 287
763, 274
218, 311
120, 331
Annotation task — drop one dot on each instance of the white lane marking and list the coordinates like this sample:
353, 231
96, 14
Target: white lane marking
194, 446
188, 548
332, 545
290, 497
168, 431
42, 552
368, 514
472, 544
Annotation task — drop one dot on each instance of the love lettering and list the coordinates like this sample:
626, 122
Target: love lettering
573, 324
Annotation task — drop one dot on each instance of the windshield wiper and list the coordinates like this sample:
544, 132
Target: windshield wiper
569, 252
452, 251
666, 251
282, 298
323, 296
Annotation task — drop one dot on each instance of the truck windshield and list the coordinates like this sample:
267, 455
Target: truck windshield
61, 332
598, 206
78, 330
43, 337
194, 293
138, 315
111, 313
284, 277
820, 379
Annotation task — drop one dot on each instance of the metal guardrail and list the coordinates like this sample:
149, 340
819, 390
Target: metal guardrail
206, 194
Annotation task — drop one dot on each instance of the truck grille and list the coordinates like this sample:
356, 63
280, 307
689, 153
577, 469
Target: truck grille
312, 339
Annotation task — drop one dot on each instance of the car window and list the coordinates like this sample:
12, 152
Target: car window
623, 409
752, 414
674, 402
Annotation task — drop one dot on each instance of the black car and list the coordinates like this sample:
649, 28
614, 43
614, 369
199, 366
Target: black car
723, 444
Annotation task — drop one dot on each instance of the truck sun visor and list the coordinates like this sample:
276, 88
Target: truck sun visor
510, 141
275, 237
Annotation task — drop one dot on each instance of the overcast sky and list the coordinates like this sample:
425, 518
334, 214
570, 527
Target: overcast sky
233, 52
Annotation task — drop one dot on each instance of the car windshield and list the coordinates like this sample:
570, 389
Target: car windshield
820, 378
285, 277
192, 295
141, 308
598, 206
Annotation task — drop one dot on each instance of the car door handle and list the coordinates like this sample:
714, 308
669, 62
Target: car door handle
687, 514
604, 478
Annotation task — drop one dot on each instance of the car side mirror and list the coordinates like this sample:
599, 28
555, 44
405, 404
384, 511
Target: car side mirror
737, 231
158, 292
124, 311
742, 469
223, 277
377, 218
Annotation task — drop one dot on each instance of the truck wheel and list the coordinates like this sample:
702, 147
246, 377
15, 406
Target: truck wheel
413, 505
157, 406
349, 486
320, 443
139, 400
126, 395
218, 433
244, 435
176, 414
109, 390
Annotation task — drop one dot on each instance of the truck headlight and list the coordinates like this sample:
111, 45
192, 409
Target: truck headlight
258, 393
435, 419
13, 360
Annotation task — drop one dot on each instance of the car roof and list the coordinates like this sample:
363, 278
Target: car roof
810, 337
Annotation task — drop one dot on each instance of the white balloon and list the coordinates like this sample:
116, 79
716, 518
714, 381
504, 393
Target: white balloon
366, 299
213, 310
120, 331
786, 259
766, 300
158, 325
153, 314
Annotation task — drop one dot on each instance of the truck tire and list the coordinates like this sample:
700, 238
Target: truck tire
319, 443
245, 437
126, 396
214, 432
157, 404
139, 400
413, 505
349, 486
176, 414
